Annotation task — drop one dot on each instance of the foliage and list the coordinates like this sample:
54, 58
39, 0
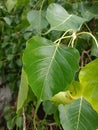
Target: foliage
59, 71
12, 119
11, 47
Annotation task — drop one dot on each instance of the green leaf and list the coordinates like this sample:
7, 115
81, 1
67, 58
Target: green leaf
23, 92
94, 51
22, 2
61, 20
49, 107
10, 4
94, 9
11, 124
19, 122
84, 10
78, 116
7, 20
50, 67
88, 77
37, 19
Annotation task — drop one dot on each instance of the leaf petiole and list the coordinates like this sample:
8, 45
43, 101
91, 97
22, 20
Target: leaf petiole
88, 33
63, 36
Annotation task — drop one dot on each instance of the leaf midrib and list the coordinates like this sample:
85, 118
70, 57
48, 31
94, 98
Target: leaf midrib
64, 21
80, 108
49, 69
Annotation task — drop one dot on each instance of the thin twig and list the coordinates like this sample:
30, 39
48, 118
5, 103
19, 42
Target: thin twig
82, 56
24, 120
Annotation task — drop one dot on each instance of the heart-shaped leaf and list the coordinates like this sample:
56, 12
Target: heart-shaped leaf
50, 67
88, 77
61, 20
78, 116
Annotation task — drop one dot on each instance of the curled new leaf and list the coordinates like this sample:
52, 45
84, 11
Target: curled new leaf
62, 98
75, 89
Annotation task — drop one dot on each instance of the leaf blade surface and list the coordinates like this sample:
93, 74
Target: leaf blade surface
78, 116
61, 20
88, 77
50, 67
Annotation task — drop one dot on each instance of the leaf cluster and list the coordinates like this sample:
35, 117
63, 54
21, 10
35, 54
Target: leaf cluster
59, 63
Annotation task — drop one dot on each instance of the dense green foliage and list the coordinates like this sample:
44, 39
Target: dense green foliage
53, 44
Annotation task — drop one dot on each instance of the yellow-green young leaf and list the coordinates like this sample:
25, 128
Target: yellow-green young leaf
23, 91
75, 89
88, 77
62, 98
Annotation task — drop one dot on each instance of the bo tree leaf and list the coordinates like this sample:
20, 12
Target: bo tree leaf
78, 116
88, 77
61, 20
50, 67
